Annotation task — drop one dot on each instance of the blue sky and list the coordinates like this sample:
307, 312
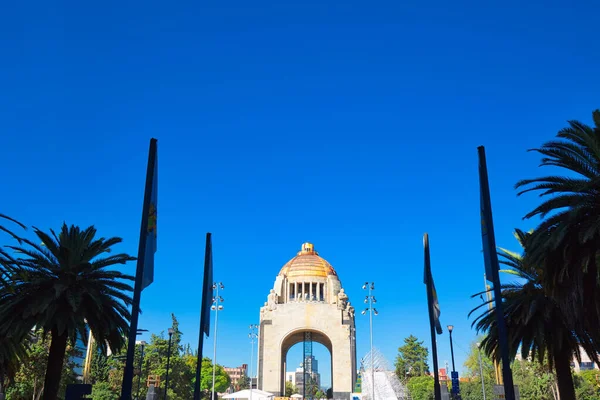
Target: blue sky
352, 125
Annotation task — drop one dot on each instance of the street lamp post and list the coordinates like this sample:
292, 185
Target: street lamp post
216, 307
481, 370
370, 299
168, 361
455, 384
142, 344
253, 335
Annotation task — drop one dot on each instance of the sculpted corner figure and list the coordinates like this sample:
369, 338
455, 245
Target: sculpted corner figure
272, 300
342, 300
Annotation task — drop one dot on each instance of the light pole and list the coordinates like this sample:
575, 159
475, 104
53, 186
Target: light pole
455, 384
253, 335
168, 361
370, 300
481, 370
142, 344
216, 307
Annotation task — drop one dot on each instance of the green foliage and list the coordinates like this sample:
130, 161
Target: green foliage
472, 390
103, 391
412, 359
320, 394
29, 379
421, 387
586, 385
535, 381
290, 389
244, 383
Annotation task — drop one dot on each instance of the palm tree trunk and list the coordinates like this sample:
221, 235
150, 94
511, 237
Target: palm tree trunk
56, 358
564, 378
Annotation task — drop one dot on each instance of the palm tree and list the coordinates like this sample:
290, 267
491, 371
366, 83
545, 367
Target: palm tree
12, 350
567, 242
63, 287
535, 320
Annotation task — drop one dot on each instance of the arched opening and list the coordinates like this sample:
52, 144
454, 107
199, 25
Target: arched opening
317, 373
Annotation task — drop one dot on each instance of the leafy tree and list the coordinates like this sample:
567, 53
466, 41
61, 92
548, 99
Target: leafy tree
471, 390
535, 381
586, 385
567, 242
320, 394
244, 383
60, 286
290, 389
420, 387
412, 359
103, 391
535, 321
29, 379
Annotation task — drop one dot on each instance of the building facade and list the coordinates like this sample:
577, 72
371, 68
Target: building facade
236, 374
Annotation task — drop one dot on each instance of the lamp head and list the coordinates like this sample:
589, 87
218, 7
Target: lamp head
221, 286
372, 285
363, 312
375, 311
366, 299
365, 285
171, 331
450, 328
374, 300
143, 343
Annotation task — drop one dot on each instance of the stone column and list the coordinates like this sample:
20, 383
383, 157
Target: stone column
318, 292
310, 291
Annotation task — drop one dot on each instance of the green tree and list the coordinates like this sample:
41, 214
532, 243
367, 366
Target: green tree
320, 394
244, 383
535, 321
290, 389
411, 359
535, 380
471, 390
28, 382
103, 391
586, 385
567, 241
420, 387
60, 286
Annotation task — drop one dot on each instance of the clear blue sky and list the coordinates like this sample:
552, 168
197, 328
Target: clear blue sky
353, 125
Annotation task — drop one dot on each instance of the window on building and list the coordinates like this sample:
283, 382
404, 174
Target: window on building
586, 365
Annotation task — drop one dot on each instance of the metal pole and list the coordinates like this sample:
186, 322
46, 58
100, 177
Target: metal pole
141, 366
168, 362
257, 353
215, 340
452, 352
371, 334
481, 372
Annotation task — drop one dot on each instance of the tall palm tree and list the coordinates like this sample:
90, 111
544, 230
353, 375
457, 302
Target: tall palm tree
6, 260
12, 350
535, 320
62, 286
567, 242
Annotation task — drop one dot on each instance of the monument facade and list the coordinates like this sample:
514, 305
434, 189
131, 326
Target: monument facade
307, 304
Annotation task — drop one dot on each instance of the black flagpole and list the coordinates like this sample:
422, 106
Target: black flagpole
509, 390
436, 383
207, 256
139, 273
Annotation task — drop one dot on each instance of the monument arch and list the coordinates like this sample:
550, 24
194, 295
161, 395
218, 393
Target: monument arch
307, 304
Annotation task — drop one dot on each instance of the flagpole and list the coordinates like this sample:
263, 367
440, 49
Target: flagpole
139, 273
207, 256
509, 390
436, 384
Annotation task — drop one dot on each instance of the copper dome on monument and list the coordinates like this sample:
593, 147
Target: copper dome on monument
307, 263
